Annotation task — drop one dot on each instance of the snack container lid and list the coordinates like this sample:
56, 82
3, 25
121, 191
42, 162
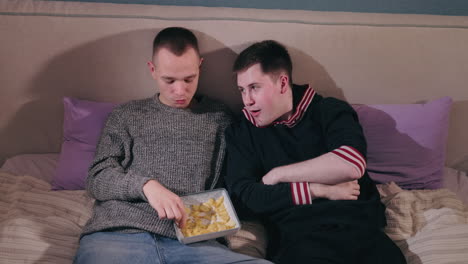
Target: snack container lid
201, 197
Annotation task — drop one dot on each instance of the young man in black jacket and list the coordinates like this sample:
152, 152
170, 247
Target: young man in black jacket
298, 161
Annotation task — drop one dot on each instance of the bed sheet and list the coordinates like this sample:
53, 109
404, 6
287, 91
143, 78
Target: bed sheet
430, 226
41, 166
38, 225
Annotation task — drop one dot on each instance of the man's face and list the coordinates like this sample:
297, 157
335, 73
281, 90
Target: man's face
262, 95
176, 76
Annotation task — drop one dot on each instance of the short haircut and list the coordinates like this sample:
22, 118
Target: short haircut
175, 39
271, 55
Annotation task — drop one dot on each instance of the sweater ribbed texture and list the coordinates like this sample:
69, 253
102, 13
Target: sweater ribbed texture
183, 149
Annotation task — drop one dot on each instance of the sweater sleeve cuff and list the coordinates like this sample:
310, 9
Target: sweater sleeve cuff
351, 156
135, 188
300, 193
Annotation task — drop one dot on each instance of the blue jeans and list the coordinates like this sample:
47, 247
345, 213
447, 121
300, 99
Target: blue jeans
112, 247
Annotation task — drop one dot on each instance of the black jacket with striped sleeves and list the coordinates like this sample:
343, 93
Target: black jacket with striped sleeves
318, 126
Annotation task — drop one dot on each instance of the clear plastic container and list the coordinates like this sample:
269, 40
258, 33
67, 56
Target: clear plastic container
202, 197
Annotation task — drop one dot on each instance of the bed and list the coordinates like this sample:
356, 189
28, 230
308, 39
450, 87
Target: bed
405, 75
43, 226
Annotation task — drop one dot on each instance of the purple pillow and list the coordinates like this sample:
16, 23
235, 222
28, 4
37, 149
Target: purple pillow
406, 142
82, 125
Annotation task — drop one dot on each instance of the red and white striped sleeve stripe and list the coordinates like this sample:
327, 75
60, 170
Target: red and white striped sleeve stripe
300, 193
352, 156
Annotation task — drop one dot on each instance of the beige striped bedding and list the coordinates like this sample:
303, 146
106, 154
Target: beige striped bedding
38, 225
430, 226
42, 226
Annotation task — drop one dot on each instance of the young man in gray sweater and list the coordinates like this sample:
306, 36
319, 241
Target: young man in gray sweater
150, 153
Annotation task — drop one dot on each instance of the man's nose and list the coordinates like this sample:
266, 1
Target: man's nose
248, 100
180, 88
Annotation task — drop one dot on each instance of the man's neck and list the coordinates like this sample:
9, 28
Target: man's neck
287, 106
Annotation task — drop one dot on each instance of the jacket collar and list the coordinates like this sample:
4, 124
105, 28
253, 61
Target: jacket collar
302, 97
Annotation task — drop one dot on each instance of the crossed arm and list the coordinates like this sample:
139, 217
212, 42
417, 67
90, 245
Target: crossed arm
328, 176
334, 174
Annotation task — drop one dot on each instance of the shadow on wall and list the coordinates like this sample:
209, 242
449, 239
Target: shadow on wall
109, 69
306, 70
114, 69
218, 80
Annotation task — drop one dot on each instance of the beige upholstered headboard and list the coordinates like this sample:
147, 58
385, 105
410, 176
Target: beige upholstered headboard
99, 52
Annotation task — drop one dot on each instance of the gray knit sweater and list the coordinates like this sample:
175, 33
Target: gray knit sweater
183, 149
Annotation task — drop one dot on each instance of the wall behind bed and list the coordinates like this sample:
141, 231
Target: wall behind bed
428, 7
98, 51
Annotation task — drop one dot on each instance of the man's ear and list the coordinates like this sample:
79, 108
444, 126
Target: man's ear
151, 66
201, 60
152, 69
284, 82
